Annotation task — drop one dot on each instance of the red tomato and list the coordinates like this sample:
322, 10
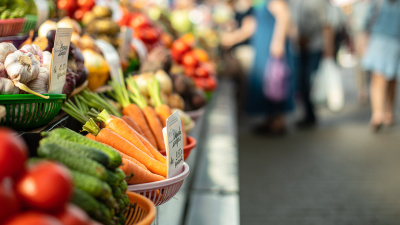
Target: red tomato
148, 34
190, 71
180, 46
13, 153
199, 82
46, 186
67, 5
85, 3
177, 56
33, 218
202, 71
210, 83
79, 13
73, 215
9, 204
138, 20
190, 60
125, 18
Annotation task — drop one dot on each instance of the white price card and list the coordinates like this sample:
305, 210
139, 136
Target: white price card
174, 145
112, 58
59, 60
125, 46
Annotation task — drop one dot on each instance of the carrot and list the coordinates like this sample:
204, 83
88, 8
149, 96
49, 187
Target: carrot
120, 127
109, 137
91, 136
131, 122
155, 125
136, 113
163, 112
125, 156
152, 149
138, 174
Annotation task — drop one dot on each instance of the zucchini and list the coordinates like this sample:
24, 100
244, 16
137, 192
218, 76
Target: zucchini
91, 185
87, 151
124, 186
72, 160
86, 202
67, 134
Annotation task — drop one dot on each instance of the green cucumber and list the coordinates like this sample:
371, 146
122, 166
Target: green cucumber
67, 134
72, 160
122, 218
124, 186
87, 151
86, 202
112, 179
117, 192
105, 214
91, 185
120, 174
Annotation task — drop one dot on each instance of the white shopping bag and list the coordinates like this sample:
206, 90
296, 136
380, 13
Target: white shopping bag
328, 87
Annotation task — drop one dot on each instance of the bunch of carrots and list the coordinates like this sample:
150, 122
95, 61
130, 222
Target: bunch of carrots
136, 133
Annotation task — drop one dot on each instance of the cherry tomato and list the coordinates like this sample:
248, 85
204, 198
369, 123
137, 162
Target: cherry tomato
190, 60
46, 186
125, 18
79, 13
210, 83
148, 34
199, 82
177, 56
138, 20
66, 5
189, 39
180, 46
13, 153
85, 3
200, 54
202, 71
190, 71
9, 204
73, 215
33, 218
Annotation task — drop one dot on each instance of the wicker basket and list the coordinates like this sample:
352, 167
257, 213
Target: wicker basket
141, 211
187, 149
26, 111
10, 27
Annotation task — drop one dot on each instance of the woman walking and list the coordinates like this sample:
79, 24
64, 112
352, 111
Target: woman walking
383, 60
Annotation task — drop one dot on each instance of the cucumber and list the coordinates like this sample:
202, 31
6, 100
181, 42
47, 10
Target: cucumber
86, 202
105, 214
123, 186
87, 151
122, 218
120, 174
111, 203
67, 134
117, 192
72, 160
112, 179
91, 185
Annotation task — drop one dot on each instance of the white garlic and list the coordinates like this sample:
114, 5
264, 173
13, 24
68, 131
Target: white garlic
5, 49
22, 67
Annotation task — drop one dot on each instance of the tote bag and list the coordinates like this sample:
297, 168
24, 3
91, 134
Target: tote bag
276, 80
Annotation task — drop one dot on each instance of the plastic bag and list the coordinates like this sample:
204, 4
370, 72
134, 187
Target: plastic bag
276, 80
327, 86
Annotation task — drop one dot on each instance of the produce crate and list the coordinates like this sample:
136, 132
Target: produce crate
141, 210
29, 24
10, 27
26, 111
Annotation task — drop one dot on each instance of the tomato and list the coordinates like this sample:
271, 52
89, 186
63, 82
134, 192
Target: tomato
79, 13
33, 218
148, 34
125, 18
13, 153
190, 60
46, 186
85, 3
210, 83
190, 71
177, 56
9, 204
189, 39
200, 54
202, 71
67, 5
73, 215
199, 82
138, 20
180, 46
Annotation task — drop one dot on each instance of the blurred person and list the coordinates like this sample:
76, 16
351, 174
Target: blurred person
311, 38
269, 40
382, 58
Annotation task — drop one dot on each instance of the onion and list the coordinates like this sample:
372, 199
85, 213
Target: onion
87, 42
165, 81
76, 39
46, 27
70, 23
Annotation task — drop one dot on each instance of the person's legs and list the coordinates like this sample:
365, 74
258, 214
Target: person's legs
378, 95
389, 110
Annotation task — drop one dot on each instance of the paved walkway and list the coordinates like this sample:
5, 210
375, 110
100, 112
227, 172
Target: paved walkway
337, 174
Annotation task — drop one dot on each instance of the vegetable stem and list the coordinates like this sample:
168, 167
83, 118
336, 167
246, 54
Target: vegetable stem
27, 89
104, 116
153, 86
91, 127
136, 96
71, 109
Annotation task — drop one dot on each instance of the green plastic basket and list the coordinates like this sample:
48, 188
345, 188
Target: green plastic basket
26, 111
30, 23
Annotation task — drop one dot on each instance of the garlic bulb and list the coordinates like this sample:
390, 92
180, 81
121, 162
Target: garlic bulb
3, 72
35, 50
22, 67
40, 84
5, 49
7, 86
46, 59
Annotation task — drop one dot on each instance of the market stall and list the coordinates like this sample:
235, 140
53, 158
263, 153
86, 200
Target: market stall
104, 100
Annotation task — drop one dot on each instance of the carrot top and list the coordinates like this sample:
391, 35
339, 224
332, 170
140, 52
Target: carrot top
91, 127
135, 94
104, 116
154, 90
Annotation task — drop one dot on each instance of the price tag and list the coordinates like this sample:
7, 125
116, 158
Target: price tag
59, 60
174, 144
112, 58
126, 37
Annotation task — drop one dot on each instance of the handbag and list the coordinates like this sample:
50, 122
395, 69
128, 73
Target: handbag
276, 80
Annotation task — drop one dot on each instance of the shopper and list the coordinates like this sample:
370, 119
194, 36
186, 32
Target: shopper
311, 38
269, 40
382, 58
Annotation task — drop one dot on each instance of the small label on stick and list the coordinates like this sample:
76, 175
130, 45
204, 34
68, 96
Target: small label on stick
174, 145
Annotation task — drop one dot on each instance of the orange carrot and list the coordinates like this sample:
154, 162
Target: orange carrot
139, 175
125, 156
131, 122
155, 126
120, 127
109, 137
136, 113
91, 136
163, 112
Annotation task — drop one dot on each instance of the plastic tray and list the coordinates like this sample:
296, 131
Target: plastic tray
141, 211
187, 149
26, 111
160, 192
10, 27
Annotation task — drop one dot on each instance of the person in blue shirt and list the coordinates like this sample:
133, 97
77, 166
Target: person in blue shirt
382, 58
